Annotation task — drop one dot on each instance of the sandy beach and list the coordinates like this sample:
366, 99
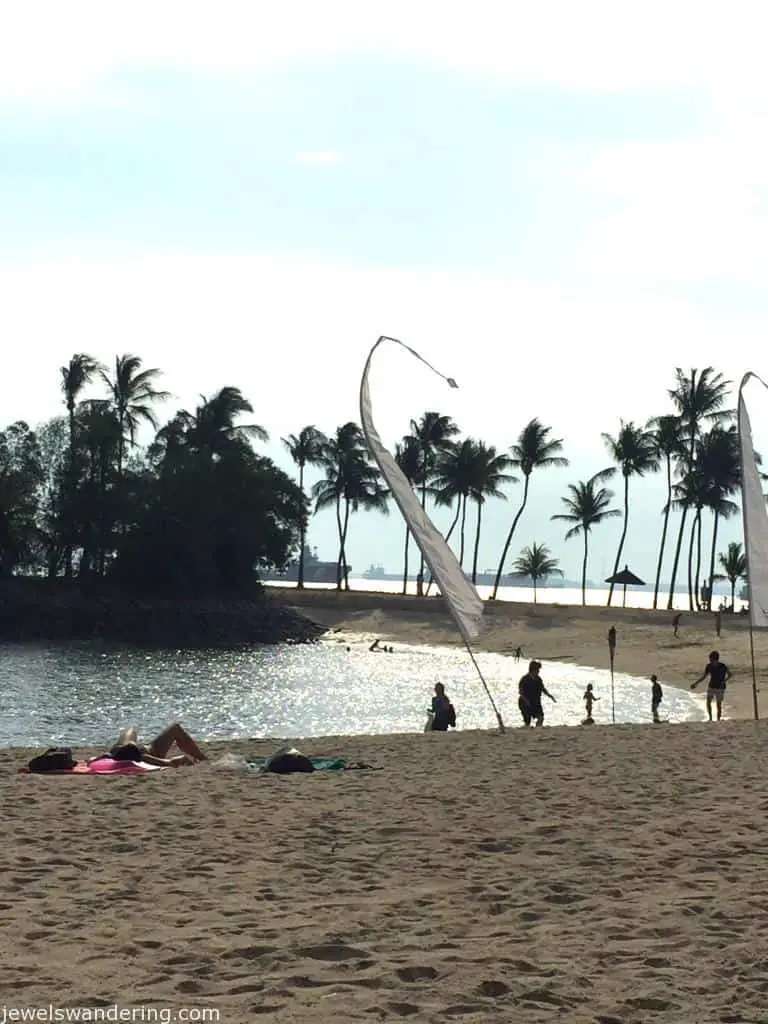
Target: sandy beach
609, 875
614, 875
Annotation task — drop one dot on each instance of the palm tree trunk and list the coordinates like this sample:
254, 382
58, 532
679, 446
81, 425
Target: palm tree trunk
302, 533
508, 541
405, 559
424, 507
340, 559
463, 501
733, 594
698, 561
678, 547
477, 542
712, 557
584, 569
534, 589
622, 538
344, 545
690, 564
667, 510
70, 498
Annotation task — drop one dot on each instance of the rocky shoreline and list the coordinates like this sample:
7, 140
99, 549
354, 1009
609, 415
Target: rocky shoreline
54, 611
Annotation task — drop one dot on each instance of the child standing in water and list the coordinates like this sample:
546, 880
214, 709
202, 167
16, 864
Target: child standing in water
657, 695
589, 700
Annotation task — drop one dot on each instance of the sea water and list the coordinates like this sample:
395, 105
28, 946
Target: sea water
83, 694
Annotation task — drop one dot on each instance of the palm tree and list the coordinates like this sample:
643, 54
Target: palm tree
587, 506
74, 377
635, 452
132, 392
408, 458
534, 449
734, 566
452, 480
487, 478
537, 563
350, 483
434, 435
668, 442
719, 457
698, 398
306, 449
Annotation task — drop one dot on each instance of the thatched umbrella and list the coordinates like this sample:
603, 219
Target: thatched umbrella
626, 578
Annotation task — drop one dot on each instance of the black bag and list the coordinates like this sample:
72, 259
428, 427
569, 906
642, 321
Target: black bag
285, 762
55, 759
451, 716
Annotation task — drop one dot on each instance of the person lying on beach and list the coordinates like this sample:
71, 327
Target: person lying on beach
443, 713
719, 674
530, 690
128, 748
657, 695
589, 700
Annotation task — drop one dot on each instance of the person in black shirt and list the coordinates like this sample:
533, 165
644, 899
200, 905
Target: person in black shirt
657, 695
719, 674
530, 689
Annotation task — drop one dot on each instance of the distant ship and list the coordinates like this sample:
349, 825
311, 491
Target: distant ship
315, 570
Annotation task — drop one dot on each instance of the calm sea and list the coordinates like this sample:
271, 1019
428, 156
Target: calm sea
83, 694
636, 598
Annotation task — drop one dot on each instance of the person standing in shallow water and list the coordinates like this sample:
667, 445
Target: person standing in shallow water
657, 695
530, 690
443, 713
719, 674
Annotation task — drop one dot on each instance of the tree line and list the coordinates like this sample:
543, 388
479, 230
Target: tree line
199, 508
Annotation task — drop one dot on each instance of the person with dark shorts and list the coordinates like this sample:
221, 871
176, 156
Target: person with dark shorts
719, 674
531, 689
657, 696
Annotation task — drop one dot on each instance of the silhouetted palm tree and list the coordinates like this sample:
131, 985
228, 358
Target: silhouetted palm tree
537, 563
408, 458
534, 449
699, 398
587, 506
452, 480
488, 476
74, 377
734, 566
719, 460
306, 449
350, 483
132, 393
434, 435
668, 441
635, 452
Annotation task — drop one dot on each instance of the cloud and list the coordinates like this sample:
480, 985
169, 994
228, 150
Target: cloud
320, 157
48, 48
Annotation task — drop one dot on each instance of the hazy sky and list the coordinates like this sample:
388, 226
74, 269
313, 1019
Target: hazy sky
556, 203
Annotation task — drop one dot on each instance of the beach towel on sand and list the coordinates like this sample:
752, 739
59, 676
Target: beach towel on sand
102, 766
289, 760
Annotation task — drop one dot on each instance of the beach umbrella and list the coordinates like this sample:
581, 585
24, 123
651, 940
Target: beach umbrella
626, 578
611, 655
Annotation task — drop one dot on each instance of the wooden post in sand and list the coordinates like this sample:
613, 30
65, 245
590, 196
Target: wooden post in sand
611, 653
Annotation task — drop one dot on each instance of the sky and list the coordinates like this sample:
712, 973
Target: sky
556, 204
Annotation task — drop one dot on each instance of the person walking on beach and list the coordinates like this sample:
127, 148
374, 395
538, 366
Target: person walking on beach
719, 674
589, 700
531, 689
676, 622
518, 653
719, 620
657, 695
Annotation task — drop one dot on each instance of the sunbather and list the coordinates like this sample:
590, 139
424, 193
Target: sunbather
128, 748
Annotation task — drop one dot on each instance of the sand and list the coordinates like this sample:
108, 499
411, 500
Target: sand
614, 875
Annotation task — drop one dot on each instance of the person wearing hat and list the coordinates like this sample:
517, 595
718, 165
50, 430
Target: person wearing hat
530, 690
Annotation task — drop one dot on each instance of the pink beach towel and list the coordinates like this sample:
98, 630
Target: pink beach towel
104, 766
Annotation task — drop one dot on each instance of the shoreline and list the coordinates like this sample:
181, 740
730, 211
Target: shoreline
565, 633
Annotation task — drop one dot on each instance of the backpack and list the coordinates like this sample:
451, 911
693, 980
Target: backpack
285, 762
54, 759
451, 716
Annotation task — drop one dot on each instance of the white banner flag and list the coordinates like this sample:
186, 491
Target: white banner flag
755, 518
463, 600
